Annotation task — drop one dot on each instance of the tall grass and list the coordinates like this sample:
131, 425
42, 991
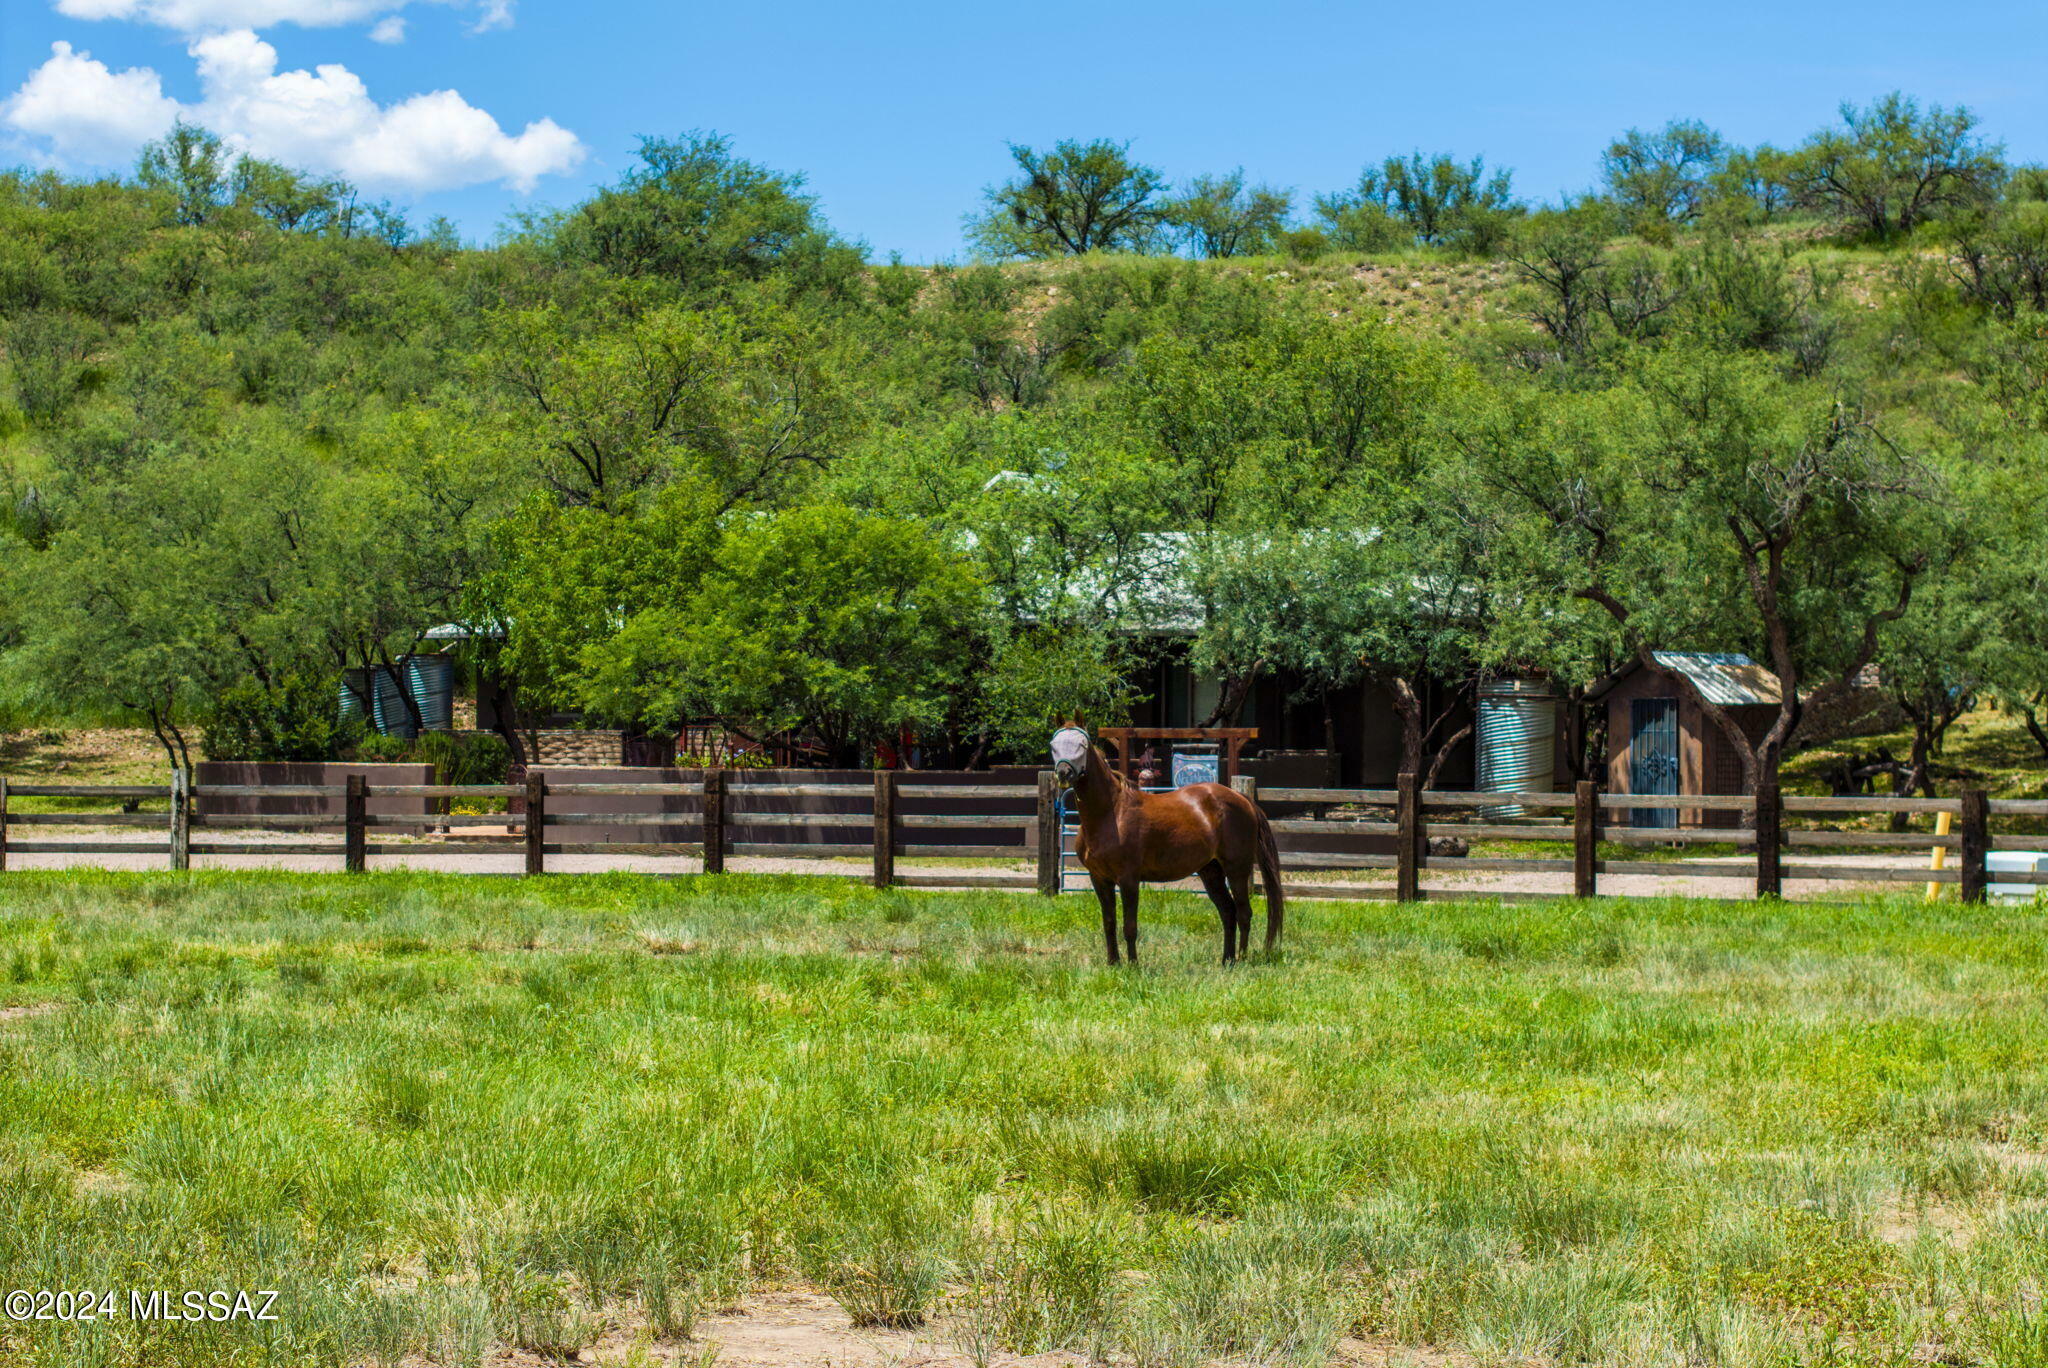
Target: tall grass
448, 1116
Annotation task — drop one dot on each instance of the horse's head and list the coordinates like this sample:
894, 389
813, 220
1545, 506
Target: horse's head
1070, 752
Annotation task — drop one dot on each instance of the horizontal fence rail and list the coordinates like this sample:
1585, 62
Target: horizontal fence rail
1331, 832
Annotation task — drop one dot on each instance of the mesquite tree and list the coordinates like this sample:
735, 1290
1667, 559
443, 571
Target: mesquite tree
1709, 503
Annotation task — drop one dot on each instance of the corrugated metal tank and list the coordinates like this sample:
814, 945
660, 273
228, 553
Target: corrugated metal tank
355, 687
388, 712
1517, 739
431, 681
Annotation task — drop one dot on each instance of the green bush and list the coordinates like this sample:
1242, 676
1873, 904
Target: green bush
1305, 244
730, 760
457, 757
294, 719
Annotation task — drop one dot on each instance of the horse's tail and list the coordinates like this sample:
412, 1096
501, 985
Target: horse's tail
1269, 874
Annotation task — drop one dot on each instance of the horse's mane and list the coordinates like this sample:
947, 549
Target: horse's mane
1115, 772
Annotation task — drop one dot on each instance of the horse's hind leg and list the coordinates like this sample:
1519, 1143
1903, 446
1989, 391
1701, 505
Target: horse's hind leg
1131, 921
1105, 893
1241, 894
1219, 893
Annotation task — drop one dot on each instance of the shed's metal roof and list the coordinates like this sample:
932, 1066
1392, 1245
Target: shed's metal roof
463, 631
1726, 680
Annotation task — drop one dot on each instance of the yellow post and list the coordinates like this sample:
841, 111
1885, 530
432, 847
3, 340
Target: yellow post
1939, 858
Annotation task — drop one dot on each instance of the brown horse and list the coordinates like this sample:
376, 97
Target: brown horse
1129, 837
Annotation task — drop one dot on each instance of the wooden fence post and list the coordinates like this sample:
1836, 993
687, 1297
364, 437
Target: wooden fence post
1408, 824
355, 824
1976, 841
1770, 839
885, 828
536, 823
713, 836
1048, 834
1585, 832
3, 824
181, 819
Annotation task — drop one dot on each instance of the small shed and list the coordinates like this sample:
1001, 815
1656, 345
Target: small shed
1660, 740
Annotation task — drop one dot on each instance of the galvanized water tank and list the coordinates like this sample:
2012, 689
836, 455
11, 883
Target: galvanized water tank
1517, 739
431, 681
388, 712
355, 687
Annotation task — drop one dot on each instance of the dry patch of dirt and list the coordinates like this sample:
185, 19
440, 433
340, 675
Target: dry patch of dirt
803, 1328
796, 1329
1904, 1223
783, 1328
100, 1180
2017, 1158
1358, 1353
34, 1009
81, 755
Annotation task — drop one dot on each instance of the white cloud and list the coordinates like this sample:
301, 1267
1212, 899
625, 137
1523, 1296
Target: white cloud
215, 16
323, 120
389, 29
79, 111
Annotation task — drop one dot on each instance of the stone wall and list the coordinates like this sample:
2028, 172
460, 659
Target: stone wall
1864, 709
572, 746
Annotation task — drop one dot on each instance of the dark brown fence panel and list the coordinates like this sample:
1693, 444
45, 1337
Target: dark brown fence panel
223, 788
889, 817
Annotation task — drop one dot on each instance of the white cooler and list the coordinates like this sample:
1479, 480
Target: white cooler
1998, 862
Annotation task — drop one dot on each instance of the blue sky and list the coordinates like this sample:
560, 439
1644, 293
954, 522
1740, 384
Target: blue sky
898, 114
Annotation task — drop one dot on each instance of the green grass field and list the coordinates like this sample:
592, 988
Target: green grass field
449, 1116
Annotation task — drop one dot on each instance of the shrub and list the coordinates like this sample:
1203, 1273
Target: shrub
1305, 244
457, 757
294, 719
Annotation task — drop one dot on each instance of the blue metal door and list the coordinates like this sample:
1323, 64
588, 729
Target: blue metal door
1653, 756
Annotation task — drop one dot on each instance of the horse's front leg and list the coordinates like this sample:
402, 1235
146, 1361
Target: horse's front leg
1105, 893
1131, 921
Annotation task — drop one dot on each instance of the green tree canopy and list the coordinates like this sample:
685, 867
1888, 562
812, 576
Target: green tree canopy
1892, 165
846, 626
1711, 501
1663, 177
1077, 198
1219, 216
700, 218
1437, 200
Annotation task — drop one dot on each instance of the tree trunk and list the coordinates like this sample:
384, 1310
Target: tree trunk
2031, 714
503, 716
1443, 753
1914, 774
1410, 709
1575, 760
412, 707
163, 739
1230, 700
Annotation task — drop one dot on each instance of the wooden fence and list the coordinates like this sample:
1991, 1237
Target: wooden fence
722, 801
716, 805
1586, 817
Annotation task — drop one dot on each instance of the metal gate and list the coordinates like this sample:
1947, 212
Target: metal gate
1653, 756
